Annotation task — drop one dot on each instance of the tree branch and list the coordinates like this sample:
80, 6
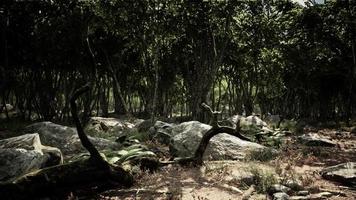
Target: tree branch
94, 154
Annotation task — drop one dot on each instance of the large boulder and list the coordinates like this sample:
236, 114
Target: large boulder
314, 139
66, 138
162, 132
23, 154
247, 121
343, 173
108, 128
187, 136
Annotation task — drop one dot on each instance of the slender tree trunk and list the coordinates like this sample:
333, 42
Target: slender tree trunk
104, 104
155, 94
120, 105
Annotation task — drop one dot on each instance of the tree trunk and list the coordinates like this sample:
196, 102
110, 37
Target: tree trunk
104, 104
120, 105
94, 154
155, 94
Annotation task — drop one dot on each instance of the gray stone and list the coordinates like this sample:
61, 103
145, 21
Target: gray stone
144, 126
278, 188
343, 173
321, 195
313, 139
353, 130
9, 107
247, 121
303, 193
299, 198
241, 176
272, 119
162, 132
23, 154
107, 127
187, 137
294, 185
280, 196
66, 138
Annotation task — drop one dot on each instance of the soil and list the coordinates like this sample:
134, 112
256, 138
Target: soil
213, 180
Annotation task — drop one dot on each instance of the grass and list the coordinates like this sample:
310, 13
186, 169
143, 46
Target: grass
263, 155
263, 180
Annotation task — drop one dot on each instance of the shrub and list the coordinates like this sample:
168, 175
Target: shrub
263, 180
263, 155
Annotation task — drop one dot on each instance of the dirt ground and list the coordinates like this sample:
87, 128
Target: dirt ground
215, 180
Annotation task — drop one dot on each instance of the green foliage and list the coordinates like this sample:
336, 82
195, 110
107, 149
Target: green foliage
241, 56
263, 180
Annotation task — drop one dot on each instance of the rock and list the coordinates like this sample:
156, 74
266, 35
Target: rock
241, 176
294, 185
303, 193
8, 107
353, 130
106, 127
187, 137
299, 198
162, 132
318, 196
66, 138
144, 126
313, 139
280, 196
281, 134
343, 173
247, 121
321, 195
11, 111
272, 119
253, 120
278, 188
25, 153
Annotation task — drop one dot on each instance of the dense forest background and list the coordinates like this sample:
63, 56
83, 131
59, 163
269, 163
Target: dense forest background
153, 58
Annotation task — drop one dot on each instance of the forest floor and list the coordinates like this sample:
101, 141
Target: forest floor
220, 179
223, 180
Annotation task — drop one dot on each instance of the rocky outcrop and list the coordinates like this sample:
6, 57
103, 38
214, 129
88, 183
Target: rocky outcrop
66, 138
248, 121
187, 136
314, 139
343, 173
23, 154
161, 132
107, 127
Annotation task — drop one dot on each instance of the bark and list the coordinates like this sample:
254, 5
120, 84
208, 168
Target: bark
120, 105
94, 154
197, 160
104, 104
155, 94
